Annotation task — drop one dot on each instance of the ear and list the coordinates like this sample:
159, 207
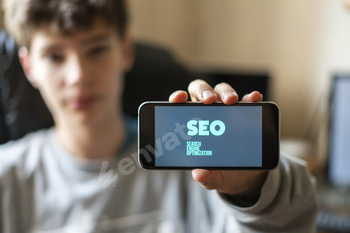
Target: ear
24, 58
129, 52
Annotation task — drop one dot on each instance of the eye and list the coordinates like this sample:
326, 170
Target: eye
99, 50
54, 57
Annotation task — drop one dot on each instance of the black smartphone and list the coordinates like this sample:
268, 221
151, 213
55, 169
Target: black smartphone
243, 136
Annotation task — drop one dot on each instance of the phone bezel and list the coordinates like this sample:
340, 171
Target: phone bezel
270, 125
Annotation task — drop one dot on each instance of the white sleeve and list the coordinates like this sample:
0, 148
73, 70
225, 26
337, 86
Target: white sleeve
287, 201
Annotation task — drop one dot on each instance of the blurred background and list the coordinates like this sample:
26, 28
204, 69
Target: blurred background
301, 45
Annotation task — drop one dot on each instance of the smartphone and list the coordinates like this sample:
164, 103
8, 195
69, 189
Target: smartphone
243, 136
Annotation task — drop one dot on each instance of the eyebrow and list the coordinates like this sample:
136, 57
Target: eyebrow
52, 47
86, 42
95, 39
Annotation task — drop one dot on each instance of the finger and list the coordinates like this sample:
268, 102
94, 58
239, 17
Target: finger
178, 97
226, 93
201, 91
209, 179
255, 96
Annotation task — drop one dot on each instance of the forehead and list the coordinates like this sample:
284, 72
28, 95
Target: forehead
47, 37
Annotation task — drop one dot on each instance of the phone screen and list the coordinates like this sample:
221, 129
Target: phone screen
208, 136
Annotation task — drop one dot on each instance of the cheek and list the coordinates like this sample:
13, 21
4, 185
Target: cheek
115, 83
48, 85
114, 76
45, 76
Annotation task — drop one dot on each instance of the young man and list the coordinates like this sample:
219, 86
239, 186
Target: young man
56, 180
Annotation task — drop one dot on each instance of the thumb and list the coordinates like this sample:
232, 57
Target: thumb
209, 179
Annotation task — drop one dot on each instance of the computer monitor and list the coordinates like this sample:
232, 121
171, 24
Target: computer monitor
339, 147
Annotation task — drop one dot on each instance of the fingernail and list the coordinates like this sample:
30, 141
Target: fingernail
250, 94
228, 94
194, 173
207, 94
172, 96
206, 183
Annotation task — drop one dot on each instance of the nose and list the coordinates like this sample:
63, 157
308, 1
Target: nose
77, 72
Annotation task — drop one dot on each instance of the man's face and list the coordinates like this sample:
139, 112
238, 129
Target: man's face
80, 76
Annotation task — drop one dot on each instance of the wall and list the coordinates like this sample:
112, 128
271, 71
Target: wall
171, 23
275, 35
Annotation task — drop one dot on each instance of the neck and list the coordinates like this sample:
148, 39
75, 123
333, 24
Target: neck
93, 141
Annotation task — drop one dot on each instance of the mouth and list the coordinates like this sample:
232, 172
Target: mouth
79, 103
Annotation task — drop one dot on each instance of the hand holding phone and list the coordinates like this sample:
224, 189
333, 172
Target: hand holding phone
246, 183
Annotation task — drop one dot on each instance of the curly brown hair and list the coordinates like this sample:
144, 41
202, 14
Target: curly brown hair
23, 17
